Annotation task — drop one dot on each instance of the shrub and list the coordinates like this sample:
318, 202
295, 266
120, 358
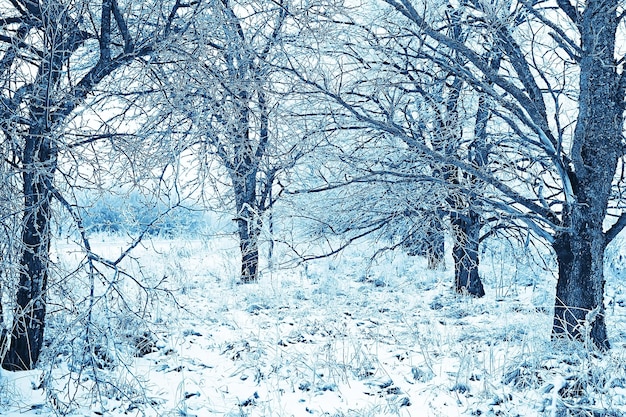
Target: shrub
134, 213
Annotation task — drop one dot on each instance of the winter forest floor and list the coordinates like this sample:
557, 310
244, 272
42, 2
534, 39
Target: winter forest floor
337, 337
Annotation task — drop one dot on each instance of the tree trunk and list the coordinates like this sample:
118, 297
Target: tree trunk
249, 258
249, 228
579, 308
596, 148
435, 250
3, 331
466, 254
27, 334
429, 243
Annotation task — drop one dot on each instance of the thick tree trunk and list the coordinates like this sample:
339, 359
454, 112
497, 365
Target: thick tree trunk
596, 148
27, 334
466, 255
579, 310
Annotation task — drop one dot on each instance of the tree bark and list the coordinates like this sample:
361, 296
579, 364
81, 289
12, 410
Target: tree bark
27, 334
243, 171
579, 310
3, 331
465, 253
435, 250
429, 243
248, 218
249, 258
248, 230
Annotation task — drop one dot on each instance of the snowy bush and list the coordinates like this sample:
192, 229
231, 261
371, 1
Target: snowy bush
135, 214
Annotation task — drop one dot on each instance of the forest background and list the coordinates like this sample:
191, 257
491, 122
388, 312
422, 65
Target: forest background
417, 126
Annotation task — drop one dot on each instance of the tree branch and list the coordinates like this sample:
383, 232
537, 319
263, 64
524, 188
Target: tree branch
105, 31
123, 27
616, 228
393, 129
569, 10
564, 41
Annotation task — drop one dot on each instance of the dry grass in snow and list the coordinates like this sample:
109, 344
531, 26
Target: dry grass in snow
336, 337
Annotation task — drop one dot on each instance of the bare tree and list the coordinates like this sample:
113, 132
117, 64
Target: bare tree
381, 73
54, 56
556, 99
226, 89
584, 160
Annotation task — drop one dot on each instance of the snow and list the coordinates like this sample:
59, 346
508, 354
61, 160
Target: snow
340, 337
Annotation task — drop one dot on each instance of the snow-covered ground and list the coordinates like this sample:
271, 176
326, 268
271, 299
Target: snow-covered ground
336, 337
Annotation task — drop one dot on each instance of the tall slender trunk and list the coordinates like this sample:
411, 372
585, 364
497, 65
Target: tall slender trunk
428, 242
465, 253
248, 218
248, 230
243, 170
467, 226
435, 250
